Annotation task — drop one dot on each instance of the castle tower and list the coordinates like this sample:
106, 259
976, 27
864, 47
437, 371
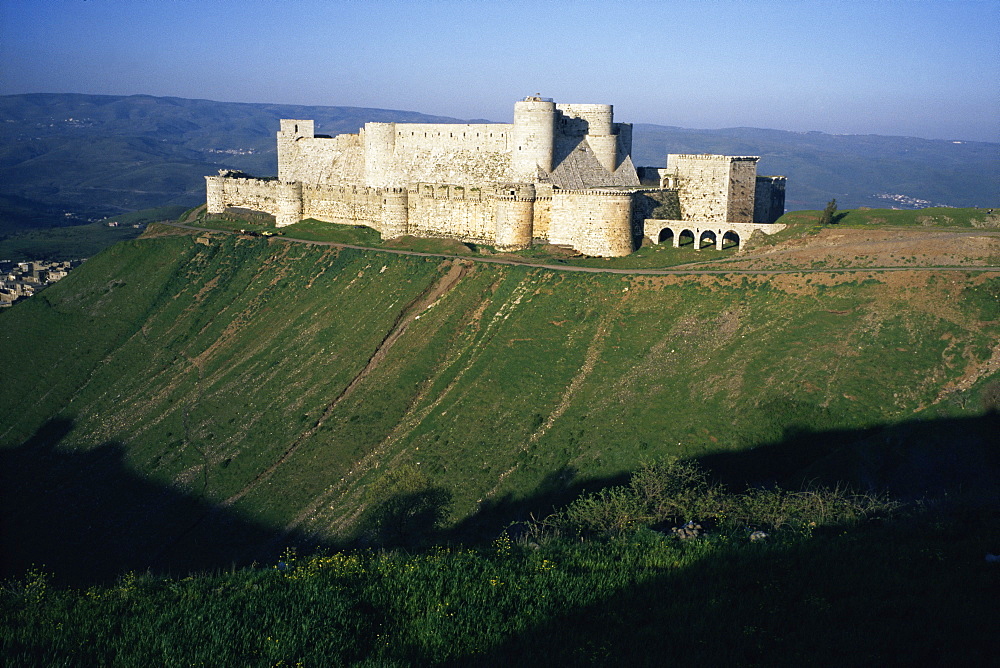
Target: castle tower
288, 148
600, 130
714, 188
394, 213
215, 194
380, 144
515, 212
289, 204
534, 137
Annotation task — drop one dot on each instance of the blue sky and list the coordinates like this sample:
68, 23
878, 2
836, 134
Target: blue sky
923, 68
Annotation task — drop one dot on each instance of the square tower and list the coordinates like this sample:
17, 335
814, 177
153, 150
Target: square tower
714, 188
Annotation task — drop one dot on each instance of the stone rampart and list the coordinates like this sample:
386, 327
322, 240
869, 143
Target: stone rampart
483, 137
247, 193
438, 210
593, 221
345, 205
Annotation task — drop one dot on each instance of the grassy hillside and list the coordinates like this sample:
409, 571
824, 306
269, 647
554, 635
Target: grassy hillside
191, 400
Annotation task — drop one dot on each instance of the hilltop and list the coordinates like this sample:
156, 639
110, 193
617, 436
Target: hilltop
197, 398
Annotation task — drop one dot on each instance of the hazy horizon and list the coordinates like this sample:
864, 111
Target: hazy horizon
914, 68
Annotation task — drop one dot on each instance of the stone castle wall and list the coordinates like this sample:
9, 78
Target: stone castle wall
714, 188
561, 173
769, 199
594, 222
437, 210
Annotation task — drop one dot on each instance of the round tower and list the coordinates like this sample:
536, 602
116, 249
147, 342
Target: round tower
534, 137
515, 214
606, 230
394, 213
289, 209
379, 143
600, 130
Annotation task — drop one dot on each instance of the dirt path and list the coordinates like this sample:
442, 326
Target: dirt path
688, 269
407, 315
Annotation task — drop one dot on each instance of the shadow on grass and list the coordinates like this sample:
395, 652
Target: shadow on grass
87, 517
888, 596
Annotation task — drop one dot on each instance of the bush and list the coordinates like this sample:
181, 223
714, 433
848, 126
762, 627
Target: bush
672, 493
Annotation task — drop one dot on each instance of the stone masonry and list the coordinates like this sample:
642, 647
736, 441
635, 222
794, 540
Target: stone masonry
560, 173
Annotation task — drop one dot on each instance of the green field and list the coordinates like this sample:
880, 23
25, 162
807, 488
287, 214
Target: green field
79, 241
199, 402
194, 363
931, 217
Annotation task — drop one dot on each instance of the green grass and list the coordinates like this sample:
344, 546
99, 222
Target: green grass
189, 368
168, 373
912, 591
79, 241
931, 217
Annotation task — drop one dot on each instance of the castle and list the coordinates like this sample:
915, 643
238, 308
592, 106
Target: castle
560, 173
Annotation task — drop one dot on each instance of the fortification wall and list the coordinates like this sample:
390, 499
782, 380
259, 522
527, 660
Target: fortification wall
542, 213
769, 200
594, 222
345, 205
246, 193
321, 160
472, 137
469, 168
436, 210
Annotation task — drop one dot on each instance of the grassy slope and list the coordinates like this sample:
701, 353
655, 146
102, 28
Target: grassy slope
198, 365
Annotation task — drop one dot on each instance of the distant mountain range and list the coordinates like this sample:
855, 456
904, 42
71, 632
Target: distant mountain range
67, 158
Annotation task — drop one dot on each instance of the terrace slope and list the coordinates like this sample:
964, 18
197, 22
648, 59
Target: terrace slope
306, 387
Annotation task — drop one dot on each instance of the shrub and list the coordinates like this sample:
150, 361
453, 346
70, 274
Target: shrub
673, 493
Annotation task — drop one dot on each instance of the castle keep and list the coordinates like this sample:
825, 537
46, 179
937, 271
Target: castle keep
560, 173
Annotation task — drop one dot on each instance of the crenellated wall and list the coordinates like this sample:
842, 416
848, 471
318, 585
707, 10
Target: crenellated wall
438, 210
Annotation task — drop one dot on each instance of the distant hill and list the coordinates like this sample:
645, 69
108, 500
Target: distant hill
94, 155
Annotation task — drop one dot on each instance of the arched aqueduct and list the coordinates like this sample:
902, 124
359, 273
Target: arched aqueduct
722, 235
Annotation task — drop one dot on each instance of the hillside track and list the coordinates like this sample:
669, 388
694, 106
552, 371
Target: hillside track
453, 273
691, 269
407, 315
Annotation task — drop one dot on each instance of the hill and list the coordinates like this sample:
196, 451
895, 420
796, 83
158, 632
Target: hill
69, 158
193, 399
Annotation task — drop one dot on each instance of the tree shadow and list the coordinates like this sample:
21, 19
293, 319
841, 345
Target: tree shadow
87, 517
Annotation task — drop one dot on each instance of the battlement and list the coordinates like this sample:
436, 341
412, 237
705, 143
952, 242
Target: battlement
713, 157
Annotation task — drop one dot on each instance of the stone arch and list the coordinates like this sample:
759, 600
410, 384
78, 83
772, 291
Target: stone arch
733, 237
665, 234
712, 238
678, 240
